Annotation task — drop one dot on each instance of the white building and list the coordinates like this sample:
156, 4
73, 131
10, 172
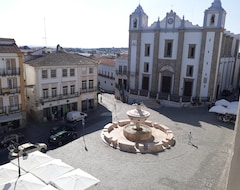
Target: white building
174, 57
12, 102
60, 82
121, 80
106, 73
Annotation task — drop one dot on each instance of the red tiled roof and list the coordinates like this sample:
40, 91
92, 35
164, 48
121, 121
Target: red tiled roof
105, 61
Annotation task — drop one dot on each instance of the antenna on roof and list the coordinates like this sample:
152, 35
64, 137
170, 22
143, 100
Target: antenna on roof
45, 34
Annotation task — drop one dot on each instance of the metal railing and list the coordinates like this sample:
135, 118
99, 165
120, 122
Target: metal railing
170, 97
6, 110
58, 97
5, 72
86, 90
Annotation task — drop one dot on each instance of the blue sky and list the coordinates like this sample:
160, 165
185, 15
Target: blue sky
94, 23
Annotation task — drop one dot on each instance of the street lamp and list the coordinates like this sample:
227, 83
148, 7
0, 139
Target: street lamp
13, 148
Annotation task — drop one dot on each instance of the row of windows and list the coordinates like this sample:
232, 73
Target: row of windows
13, 101
65, 72
12, 82
168, 48
53, 73
54, 91
65, 89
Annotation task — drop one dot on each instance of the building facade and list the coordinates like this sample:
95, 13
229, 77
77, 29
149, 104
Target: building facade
12, 102
59, 82
106, 73
173, 56
121, 66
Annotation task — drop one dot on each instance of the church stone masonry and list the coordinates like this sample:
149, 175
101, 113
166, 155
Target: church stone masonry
173, 56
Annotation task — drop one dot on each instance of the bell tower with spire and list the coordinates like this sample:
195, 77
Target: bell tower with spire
214, 16
138, 19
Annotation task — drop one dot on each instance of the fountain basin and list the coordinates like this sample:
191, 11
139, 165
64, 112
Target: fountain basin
141, 134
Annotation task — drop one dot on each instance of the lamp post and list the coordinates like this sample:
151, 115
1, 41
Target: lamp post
13, 148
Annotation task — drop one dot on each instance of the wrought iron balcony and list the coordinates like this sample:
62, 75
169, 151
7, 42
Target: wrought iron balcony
7, 72
6, 110
86, 90
58, 97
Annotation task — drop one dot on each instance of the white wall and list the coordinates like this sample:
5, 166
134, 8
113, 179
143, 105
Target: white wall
146, 38
190, 38
168, 36
207, 62
132, 68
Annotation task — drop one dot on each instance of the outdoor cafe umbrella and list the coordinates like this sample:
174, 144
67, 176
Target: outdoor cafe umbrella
8, 172
218, 109
33, 160
75, 180
51, 170
222, 102
232, 110
49, 187
24, 182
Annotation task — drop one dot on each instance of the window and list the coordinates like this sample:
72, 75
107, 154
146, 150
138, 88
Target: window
72, 89
12, 83
72, 72
189, 71
91, 70
125, 69
191, 51
147, 50
212, 19
11, 65
135, 23
13, 102
146, 67
65, 90
90, 84
45, 93
64, 73
120, 68
84, 84
44, 74
53, 73
168, 48
54, 92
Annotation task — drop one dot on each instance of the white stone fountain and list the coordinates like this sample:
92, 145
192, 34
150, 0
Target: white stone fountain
138, 134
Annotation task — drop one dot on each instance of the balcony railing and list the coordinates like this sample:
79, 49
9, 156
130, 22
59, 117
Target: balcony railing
106, 76
5, 72
10, 109
9, 90
58, 97
86, 90
119, 72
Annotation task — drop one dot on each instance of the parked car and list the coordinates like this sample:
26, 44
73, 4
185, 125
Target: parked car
12, 139
74, 116
68, 126
27, 148
62, 137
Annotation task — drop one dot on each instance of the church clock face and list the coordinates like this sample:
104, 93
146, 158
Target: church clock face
170, 20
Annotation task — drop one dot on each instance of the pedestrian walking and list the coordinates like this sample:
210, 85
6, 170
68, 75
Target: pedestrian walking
190, 137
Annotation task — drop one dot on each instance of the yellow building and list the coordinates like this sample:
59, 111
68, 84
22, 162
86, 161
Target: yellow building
59, 82
12, 101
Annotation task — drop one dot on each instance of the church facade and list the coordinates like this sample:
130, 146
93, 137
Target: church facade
173, 56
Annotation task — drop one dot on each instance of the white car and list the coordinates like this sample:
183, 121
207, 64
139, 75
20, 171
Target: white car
27, 148
75, 116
